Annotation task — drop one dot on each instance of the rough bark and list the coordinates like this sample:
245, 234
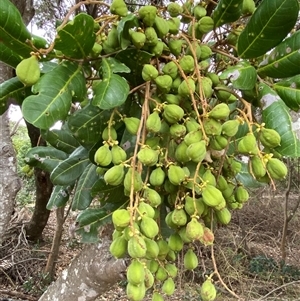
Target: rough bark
91, 274
43, 188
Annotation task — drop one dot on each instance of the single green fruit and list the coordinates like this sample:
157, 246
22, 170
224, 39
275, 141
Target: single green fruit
115, 175
175, 242
138, 39
197, 151
103, 155
157, 177
206, 24
223, 216
248, 7
174, 25
146, 210
137, 181
170, 69
161, 26
118, 247
230, 127
28, 71
173, 113
248, 145
136, 272
135, 292
176, 174
121, 218
174, 9
118, 7
196, 49
206, 86
109, 133
157, 297
148, 14
212, 127
269, 138
180, 153
241, 194
175, 46
136, 247
206, 52
118, 154
179, 217
199, 12
152, 197
149, 227
257, 167
212, 196
220, 111
276, 168
152, 248
208, 291
193, 137
190, 260
149, 72
168, 287
187, 64
149, 279
194, 229
132, 124
177, 130
161, 274
164, 83
163, 249
187, 87
151, 36
148, 156
153, 122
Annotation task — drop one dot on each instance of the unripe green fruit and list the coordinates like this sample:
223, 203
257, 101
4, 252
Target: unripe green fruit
118, 247
206, 86
164, 83
149, 279
161, 274
28, 71
171, 270
241, 194
151, 36
230, 127
175, 242
152, 248
192, 125
193, 137
208, 291
138, 39
212, 196
149, 72
174, 9
172, 99
187, 64
138, 182
149, 227
170, 69
180, 153
146, 210
132, 124
136, 247
157, 49
206, 52
109, 134
187, 87
205, 24
153, 122
174, 24
218, 143
135, 292
163, 249
222, 95
173, 113
176, 174
177, 130
209, 177
196, 48
118, 7
103, 155
157, 177
194, 230
276, 168
152, 197
179, 217
214, 78
269, 138
148, 156
194, 207
136, 272
175, 46
223, 216
248, 145
120, 218
220, 111
115, 175
248, 7
168, 287
197, 151
161, 26
157, 297
222, 183
148, 14
212, 127
257, 167
118, 154
190, 260
199, 12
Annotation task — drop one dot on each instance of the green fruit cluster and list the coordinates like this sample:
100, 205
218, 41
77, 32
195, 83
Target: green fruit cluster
190, 138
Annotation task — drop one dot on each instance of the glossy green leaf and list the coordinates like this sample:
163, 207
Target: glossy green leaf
112, 91
275, 115
123, 27
135, 60
45, 157
227, 11
79, 33
53, 101
59, 197
284, 60
83, 197
87, 125
12, 88
61, 139
13, 31
242, 76
9, 57
268, 26
116, 66
69, 170
289, 92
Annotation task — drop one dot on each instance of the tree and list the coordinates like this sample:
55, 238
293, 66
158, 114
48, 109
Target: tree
158, 111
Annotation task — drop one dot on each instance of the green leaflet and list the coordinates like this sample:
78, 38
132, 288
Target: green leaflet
268, 26
53, 101
112, 91
227, 11
284, 60
275, 115
80, 34
13, 31
243, 76
8, 56
83, 197
289, 92
59, 197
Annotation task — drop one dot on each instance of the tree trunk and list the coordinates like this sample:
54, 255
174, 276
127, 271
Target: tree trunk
90, 274
43, 188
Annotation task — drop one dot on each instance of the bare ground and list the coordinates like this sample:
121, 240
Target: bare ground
247, 254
